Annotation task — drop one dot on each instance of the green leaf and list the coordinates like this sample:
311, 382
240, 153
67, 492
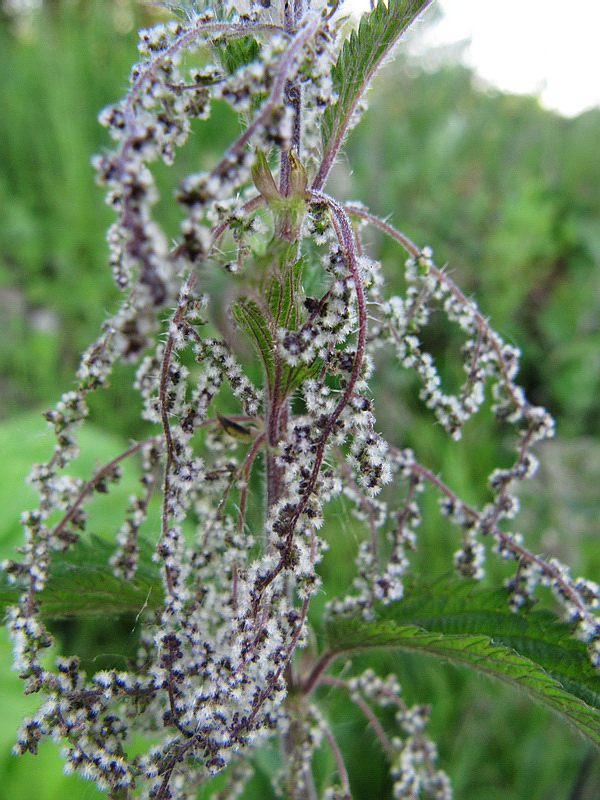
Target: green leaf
455, 607
473, 627
293, 377
239, 52
251, 319
360, 57
283, 293
81, 582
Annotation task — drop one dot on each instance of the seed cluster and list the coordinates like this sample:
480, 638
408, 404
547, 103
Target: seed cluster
244, 378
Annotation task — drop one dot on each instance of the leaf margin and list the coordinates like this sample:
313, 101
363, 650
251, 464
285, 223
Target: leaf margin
493, 656
361, 55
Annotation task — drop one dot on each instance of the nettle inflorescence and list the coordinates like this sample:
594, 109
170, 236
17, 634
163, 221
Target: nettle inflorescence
268, 304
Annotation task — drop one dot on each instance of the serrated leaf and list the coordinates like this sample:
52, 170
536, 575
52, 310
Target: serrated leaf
295, 376
283, 293
239, 52
455, 607
251, 319
293, 288
361, 55
474, 628
81, 582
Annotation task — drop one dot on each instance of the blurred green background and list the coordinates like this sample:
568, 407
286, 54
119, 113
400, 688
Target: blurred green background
505, 192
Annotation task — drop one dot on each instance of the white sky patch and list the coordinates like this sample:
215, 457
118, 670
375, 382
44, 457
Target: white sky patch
548, 48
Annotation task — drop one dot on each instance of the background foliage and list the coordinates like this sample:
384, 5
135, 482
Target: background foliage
504, 191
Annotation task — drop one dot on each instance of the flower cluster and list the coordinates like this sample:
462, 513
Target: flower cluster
413, 756
247, 379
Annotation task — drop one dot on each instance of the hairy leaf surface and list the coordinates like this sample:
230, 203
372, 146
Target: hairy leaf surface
475, 628
237, 53
361, 55
81, 582
251, 319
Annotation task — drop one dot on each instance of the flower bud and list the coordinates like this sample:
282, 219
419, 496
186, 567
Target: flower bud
262, 177
298, 178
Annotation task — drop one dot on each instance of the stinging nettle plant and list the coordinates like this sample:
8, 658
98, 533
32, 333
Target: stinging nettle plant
255, 336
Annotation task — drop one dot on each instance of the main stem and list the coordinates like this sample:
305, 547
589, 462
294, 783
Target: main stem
292, 14
277, 412
276, 422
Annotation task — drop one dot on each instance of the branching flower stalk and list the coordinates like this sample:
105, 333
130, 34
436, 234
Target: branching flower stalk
217, 671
